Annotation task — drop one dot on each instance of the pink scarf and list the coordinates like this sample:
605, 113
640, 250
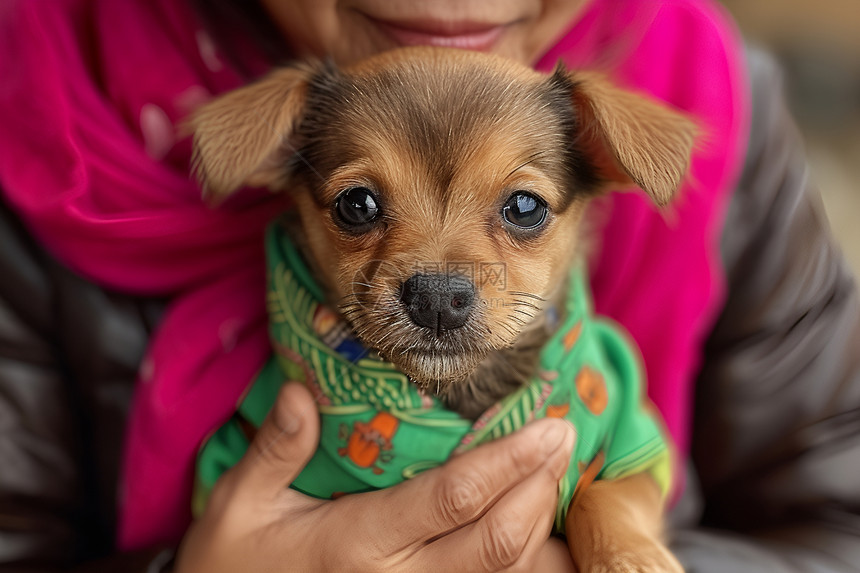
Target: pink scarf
89, 96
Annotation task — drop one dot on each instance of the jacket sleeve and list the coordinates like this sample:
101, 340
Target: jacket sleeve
776, 442
53, 513
39, 448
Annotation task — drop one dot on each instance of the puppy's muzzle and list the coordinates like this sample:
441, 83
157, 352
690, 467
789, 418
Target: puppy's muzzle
438, 301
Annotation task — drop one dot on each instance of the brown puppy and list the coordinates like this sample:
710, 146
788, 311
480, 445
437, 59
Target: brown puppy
425, 157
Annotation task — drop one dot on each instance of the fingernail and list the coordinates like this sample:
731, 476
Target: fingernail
291, 424
289, 420
557, 438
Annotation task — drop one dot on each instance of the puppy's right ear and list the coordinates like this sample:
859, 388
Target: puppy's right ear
242, 138
633, 139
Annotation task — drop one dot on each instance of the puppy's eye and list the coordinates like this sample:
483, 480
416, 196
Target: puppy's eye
357, 207
524, 210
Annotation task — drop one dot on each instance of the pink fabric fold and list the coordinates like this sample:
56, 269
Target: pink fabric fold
90, 95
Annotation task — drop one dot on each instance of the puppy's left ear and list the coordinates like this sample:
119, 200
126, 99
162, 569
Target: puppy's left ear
632, 139
242, 137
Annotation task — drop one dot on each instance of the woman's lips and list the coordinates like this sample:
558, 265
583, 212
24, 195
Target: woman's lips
463, 35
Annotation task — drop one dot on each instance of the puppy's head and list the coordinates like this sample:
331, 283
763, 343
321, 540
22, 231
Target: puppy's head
439, 191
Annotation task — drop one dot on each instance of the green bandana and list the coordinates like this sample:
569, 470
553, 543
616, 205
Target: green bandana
378, 429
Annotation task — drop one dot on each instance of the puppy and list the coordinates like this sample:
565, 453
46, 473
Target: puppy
439, 198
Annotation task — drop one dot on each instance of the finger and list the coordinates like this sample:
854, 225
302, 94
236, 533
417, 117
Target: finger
282, 447
451, 496
554, 556
509, 535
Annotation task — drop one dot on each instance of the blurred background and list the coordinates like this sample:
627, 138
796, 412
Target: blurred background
818, 44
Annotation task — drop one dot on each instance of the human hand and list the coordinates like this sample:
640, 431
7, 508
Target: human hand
554, 556
488, 509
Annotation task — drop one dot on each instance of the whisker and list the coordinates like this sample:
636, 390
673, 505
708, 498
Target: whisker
526, 304
524, 312
518, 320
526, 294
509, 328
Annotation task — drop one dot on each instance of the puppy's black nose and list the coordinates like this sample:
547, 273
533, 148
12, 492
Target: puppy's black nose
437, 301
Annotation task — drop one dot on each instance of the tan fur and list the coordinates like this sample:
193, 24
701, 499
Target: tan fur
237, 136
444, 137
619, 528
638, 140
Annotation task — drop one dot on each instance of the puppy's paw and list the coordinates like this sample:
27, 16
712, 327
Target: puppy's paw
644, 556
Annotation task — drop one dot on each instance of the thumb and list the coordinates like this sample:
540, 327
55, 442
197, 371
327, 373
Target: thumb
283, 445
